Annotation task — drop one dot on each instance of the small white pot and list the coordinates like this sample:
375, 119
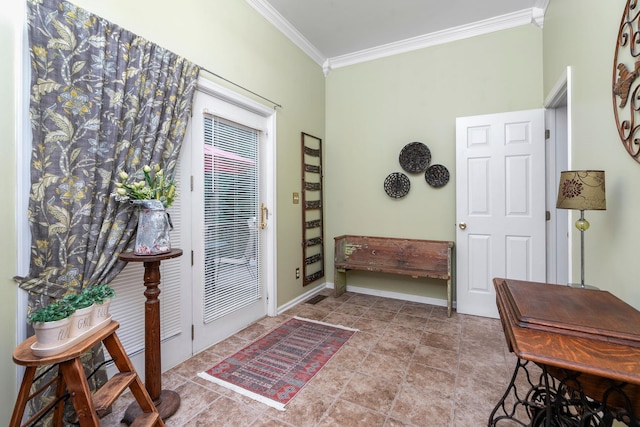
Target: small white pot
100, 312
51, 334
80, 321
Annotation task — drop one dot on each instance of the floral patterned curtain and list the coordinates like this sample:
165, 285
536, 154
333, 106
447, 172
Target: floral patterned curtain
103, 100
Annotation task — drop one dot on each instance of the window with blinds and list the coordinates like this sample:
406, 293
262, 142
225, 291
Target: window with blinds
231, 200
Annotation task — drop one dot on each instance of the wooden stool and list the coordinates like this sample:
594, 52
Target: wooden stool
71, 376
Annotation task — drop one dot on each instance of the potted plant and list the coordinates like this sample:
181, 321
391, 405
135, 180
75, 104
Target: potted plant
101, 296
51, 323
82, 303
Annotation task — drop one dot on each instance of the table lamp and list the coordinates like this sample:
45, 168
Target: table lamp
581, 190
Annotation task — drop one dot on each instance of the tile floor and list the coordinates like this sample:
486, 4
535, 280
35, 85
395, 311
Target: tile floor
410, 365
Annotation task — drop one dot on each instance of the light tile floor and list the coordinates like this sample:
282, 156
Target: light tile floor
410, 365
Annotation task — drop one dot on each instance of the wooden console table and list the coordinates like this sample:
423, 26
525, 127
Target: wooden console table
166, 401
585, 342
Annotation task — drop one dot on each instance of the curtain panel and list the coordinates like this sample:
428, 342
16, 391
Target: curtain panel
103, 100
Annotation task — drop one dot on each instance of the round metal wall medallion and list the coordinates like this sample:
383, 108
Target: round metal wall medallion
436, 175
397, 185
415, 157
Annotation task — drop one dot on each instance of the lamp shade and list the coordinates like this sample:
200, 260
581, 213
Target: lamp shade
582, 190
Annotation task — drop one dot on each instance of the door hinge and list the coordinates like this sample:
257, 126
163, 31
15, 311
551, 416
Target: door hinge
193, 332
547, 215
191, 182
547, 134
191, 258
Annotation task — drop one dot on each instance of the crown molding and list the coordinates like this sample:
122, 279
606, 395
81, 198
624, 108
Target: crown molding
533, 15
503, 22
538, 11
278, 21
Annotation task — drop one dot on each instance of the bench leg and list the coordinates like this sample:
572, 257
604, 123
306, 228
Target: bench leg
340, 282
449, 298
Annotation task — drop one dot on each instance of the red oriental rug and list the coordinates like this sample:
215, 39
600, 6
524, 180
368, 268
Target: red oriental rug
274, 368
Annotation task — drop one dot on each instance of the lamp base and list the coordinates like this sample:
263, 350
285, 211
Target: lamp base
580, 285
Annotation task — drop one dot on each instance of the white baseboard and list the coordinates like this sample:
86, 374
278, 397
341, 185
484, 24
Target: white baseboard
367, 291
309, 294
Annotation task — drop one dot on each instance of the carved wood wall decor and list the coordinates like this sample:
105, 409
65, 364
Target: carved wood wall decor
312, 222
626, 87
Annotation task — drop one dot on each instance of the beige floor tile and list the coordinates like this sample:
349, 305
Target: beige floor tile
432, 410
346, 414
383, 366
428, 381
402, 332
225, 413
418, 310
438, 340
445, 360
372, 326
330, 380
396, 347
379, 314
410, 321
408, 366
194, 399
374, 392
306, 409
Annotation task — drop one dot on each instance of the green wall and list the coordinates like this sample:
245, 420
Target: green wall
375, 108
10, 34
582, 34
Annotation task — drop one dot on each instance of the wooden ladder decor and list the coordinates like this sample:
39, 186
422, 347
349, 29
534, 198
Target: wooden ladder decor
312, 210
71, 378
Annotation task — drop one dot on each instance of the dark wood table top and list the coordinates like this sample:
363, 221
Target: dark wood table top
131, 257
581, 330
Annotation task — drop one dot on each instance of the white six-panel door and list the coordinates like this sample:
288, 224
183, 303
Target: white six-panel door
500, 197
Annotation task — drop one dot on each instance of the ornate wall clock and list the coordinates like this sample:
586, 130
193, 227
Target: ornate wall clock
626, 87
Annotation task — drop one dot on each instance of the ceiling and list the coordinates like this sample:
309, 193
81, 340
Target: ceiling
342, 32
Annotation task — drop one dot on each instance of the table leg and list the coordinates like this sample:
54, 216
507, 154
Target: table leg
557, 398
166, 401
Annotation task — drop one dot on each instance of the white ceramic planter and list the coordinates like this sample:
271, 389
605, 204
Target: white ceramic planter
80, 321
54, 333
100, 312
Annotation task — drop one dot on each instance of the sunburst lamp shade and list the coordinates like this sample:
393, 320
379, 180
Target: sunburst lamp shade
582, 190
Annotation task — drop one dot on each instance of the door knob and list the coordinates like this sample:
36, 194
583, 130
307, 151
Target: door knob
462, 225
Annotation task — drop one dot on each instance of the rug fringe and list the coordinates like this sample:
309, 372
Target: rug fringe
255, 396
346, 328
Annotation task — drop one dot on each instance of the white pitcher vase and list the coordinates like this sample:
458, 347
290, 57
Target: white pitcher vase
154, 226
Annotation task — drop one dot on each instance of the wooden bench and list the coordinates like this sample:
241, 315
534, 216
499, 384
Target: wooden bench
408, 257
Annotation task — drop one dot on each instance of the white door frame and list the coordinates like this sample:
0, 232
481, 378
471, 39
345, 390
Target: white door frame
558, 122
269, 254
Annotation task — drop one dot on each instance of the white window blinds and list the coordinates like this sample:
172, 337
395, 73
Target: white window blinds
231, 189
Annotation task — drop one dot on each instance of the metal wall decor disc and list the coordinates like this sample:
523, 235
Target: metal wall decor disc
436, 175
397, 185
415, 157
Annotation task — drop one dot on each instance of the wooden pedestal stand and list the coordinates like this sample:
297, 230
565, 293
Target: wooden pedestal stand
167, 401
